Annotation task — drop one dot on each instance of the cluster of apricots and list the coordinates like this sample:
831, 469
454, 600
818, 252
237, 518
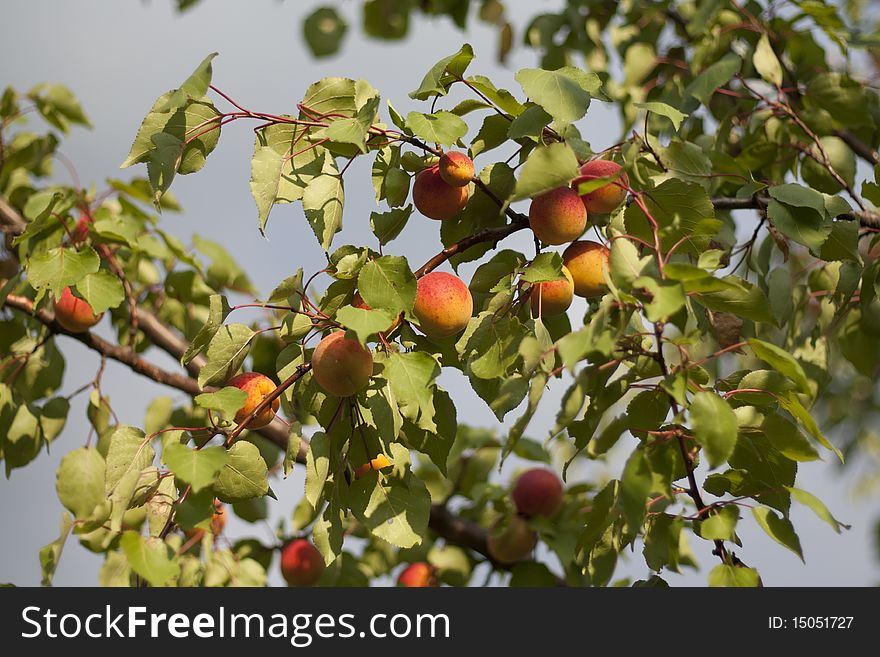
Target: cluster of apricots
560, 216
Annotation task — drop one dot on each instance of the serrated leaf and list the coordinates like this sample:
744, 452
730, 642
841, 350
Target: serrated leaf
102, 290
546, 168
564, 93
61, 267
441, 127
199, 468
226, 352
663, 109
778, 528
387, 283
714, 425
411, 377
724, 575
80, 481
150, 558
766, 62
218, 309
244, 475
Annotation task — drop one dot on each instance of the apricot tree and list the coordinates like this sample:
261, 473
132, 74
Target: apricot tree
725, 245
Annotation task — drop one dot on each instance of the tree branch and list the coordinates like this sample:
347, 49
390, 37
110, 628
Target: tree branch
866, 218
859, 147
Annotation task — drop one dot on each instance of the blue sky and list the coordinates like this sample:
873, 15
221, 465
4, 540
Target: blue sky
119, 56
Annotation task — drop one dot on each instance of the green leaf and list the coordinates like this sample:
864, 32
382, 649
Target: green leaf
194, 87
218, 309
720, 526
150, 558
545, 267
663, 109
388, 225
785, 437
387, 283
816, 506
493, 348
61, 267
635, 486
626, 266
179, 124
50, 554
683, 212
778, 528
317, 467
667, 298
199, 468
226, 401
741, 299
782, 361
564, 93
226, 352
842, 243
323, 30
443, 73
546, 168
766, 62
80, 481
436, 445
438, 128
364, 323
530, 123
411, 377
323, 201
102, 290
244, 475
803, 225
395, 510
128, 453
717, 75
724, 575
714, 425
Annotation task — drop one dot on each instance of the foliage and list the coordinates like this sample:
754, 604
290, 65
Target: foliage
721, 354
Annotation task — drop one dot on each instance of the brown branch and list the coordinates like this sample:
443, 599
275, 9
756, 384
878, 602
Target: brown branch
115, 352
859, 147
866, 218
494, 235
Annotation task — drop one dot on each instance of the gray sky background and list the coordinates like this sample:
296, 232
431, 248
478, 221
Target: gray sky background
119, 56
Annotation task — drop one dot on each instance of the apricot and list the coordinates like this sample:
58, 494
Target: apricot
417, 575
301, 563
377, 463
443, 305
512, 543
552, 297
257, 386
587, 261
435, 198
218, 523
537, 492
558, 216
456, 169
358, 302
341, 366
606, 198
75, 314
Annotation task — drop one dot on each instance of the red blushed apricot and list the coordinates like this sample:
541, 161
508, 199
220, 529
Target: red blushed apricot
257, 386
587, 262
443, 306
435, 198
456, 169
417, 575
301, 563
606, 198
513, 543
75, 314
358, 302
341, 366
537, 492
558, 216
552, 297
